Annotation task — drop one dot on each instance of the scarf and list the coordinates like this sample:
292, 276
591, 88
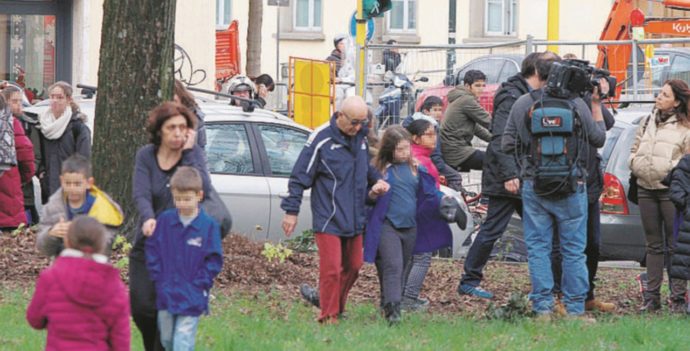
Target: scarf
53, 128
8, 153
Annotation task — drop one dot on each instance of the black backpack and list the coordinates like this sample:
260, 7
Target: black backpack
555, 148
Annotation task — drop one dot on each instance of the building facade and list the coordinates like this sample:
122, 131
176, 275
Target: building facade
43, 41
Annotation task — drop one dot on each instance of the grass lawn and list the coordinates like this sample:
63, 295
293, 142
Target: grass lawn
269, 323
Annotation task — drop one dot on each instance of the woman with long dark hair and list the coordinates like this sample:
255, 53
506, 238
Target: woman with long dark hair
661, 141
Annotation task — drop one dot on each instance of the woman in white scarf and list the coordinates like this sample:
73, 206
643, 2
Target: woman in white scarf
63, 133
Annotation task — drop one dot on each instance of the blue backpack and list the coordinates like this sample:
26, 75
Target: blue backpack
555, 147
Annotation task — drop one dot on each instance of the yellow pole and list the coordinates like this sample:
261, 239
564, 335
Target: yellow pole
553, 18
361, 38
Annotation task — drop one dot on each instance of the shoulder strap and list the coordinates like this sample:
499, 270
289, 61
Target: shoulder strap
75, 130
646, 123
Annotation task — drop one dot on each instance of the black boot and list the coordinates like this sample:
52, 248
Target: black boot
392, 313
652, 303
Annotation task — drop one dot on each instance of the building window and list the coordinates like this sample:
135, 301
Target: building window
223, 14
403, 16
28, 51
500, 17
307, 15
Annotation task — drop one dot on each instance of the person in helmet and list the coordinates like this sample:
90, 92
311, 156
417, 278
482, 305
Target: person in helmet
338, 53
242, 86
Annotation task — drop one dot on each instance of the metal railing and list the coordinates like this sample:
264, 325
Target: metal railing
439, 61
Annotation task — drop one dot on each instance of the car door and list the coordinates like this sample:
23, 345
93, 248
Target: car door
281, 145
237, 175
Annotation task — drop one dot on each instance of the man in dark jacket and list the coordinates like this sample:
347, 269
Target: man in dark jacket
391, 57
335, 165
500, 169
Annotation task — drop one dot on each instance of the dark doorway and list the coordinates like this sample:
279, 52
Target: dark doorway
36, 43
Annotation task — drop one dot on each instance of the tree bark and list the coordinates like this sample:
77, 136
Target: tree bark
256, 9
135, 74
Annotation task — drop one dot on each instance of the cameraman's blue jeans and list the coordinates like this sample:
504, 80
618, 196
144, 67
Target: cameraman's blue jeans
569, 214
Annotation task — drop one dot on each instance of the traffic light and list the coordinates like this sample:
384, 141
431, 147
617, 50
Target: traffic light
375, 8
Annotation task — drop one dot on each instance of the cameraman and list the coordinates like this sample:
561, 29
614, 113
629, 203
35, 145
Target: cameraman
542, 214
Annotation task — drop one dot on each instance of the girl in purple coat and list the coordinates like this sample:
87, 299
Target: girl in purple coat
392, 231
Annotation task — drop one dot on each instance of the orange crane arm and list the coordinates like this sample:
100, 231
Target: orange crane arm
616, 58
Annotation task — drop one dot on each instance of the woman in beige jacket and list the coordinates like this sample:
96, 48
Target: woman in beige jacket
661, 140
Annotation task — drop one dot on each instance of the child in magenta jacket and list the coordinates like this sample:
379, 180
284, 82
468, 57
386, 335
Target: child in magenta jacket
81, 299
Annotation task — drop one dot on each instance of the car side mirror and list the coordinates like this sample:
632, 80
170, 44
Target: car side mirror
422, 79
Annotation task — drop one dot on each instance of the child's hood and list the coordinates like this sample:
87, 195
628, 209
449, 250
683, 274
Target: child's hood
105, 209
85, 281
684, 163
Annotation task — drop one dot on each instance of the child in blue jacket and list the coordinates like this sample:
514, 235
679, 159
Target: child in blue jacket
408, 209
183, 257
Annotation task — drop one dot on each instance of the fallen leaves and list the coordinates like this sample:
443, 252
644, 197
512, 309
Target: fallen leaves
248, 272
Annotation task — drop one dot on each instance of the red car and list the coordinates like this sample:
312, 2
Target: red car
497, 68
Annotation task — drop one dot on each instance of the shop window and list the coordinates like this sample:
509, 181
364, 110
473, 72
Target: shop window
28, 51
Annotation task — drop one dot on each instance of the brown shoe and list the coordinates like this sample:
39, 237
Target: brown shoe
559, 309
600, 306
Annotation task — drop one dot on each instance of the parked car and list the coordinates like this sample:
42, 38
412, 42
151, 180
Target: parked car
668, 63
497, 68
622, 235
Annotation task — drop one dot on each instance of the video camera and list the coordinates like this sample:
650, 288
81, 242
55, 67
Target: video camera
575, 78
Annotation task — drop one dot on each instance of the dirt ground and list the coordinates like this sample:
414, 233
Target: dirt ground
247, 271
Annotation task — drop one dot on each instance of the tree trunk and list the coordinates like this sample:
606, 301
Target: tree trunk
135, 74
256, 13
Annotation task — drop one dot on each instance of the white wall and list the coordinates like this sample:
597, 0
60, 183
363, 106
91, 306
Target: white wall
194, 31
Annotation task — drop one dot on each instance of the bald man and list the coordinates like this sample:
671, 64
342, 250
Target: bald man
335, 165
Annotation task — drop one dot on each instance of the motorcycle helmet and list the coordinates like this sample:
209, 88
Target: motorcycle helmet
241, 82
338, 38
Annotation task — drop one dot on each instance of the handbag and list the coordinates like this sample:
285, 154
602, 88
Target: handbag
214, 206
632, 188
632, 180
